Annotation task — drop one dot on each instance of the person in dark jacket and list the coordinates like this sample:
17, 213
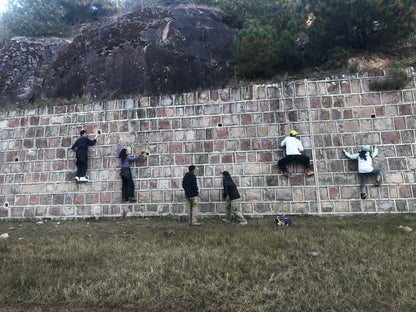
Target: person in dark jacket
192, 195
231, 195
81, 148
127, 190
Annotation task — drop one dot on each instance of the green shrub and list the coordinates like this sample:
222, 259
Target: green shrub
360, 24
354, 67
255, 50
272, 41
396, 80
329, 30
336, 58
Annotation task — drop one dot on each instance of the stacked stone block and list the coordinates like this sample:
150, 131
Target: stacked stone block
234, 129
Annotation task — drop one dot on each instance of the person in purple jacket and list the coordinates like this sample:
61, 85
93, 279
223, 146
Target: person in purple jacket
127, 190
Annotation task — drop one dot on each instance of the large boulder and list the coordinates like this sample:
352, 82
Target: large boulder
23, 64
149, 52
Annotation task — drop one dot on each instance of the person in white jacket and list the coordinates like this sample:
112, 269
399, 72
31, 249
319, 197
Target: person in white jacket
365, 166
294, 148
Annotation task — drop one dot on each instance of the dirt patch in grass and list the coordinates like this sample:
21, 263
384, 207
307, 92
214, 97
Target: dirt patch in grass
317, 264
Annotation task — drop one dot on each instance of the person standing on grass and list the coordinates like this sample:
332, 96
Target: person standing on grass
365, 166
81, 148
294, 148
127, 190
231, 195
192, 195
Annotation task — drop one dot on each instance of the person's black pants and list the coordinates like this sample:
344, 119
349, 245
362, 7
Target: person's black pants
300, 159
82, 167
82, 163
375, 171
127, 190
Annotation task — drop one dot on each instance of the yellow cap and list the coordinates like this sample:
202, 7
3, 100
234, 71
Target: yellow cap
293, 132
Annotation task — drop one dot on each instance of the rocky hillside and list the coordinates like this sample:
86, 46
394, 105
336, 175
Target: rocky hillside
154, 51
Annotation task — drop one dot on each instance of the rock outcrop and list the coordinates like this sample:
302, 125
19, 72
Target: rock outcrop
24, 62
149, 52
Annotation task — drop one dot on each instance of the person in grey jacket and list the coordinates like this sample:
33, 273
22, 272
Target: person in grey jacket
231, 195
365, 166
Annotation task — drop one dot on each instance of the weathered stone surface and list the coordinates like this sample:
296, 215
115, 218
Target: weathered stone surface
397, 163
262, 207
241, 134
355, 206
154, 51
401, 206
252, 195
385, 206
341, 206
24, 63
300, 207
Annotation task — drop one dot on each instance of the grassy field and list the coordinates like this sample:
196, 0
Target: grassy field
365, 263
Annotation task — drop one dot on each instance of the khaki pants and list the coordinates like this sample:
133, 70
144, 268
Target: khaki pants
192, 208
232, 211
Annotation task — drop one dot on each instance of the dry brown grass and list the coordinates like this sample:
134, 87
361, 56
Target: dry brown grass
318, 264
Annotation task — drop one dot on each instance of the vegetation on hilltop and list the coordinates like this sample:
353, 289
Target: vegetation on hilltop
275, 36
287, 36
52, 18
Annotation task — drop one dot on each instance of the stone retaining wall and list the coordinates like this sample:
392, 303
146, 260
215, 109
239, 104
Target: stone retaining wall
236, 129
